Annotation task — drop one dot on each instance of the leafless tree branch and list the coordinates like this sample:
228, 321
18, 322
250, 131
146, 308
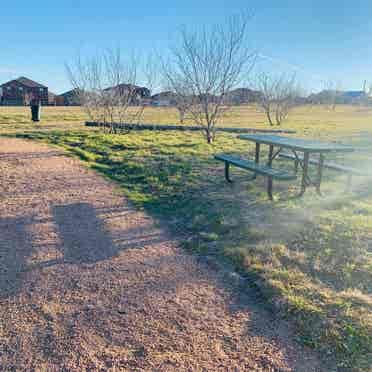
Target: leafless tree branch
278, 96
205, 67
107, 87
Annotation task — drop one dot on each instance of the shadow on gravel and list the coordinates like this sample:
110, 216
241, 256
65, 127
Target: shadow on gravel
30, 155
83, 239
83, 235
15, 248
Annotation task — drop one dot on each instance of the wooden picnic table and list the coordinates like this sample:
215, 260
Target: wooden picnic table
297, 145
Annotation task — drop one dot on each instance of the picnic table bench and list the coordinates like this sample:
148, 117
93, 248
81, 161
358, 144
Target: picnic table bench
296, 146
250, 165
327, 164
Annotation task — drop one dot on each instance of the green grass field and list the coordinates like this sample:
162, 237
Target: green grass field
311, 258
310, 121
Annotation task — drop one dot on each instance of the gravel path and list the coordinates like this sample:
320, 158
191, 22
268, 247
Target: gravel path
89, 283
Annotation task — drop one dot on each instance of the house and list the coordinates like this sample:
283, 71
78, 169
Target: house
51, 99
70, 98
22, 91
355, 96
135, 93
167, 98
241, 96
338, 97
59, 101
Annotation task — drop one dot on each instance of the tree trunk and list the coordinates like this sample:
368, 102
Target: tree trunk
269, 118
182, 116
209, 136
278, 117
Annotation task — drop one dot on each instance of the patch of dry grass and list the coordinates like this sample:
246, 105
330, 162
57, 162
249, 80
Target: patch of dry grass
314, 121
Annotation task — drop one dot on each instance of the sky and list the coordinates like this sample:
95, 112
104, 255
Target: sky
328, 40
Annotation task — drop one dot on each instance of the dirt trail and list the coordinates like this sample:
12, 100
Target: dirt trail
89, 283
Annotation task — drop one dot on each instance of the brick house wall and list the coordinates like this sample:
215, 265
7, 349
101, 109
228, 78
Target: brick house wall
18, 94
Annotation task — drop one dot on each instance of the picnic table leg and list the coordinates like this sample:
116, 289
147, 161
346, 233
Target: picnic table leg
227, 173
296, 166
257, 158
270, 188
305, 173
271, 151
270, 179
320, 173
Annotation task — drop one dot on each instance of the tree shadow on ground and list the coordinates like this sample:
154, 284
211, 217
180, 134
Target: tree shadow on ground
84, 239
15, 248
83, 235
31, 155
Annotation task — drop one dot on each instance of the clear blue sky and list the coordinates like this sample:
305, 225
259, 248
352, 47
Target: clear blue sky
318, 39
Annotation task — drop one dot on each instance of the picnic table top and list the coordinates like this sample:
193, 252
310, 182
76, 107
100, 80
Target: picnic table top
296, 143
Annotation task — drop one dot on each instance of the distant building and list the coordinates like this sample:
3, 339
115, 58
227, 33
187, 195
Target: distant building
354, 96
59, 101
164, 99
22, 91
339, 97
51, 99
70, 98
136, 93
241, 96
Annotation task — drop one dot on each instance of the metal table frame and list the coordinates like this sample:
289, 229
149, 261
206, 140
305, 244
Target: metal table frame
296, 145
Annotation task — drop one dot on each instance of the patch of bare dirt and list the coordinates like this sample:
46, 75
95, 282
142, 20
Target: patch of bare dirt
89, 283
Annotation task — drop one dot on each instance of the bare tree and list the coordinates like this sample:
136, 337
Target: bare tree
278, 96
366, 94
183, 104
206, 65
106, 86
331, 92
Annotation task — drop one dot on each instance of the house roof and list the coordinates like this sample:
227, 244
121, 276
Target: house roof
26, 82
126, 86
355, 93
164, 95
71, 92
